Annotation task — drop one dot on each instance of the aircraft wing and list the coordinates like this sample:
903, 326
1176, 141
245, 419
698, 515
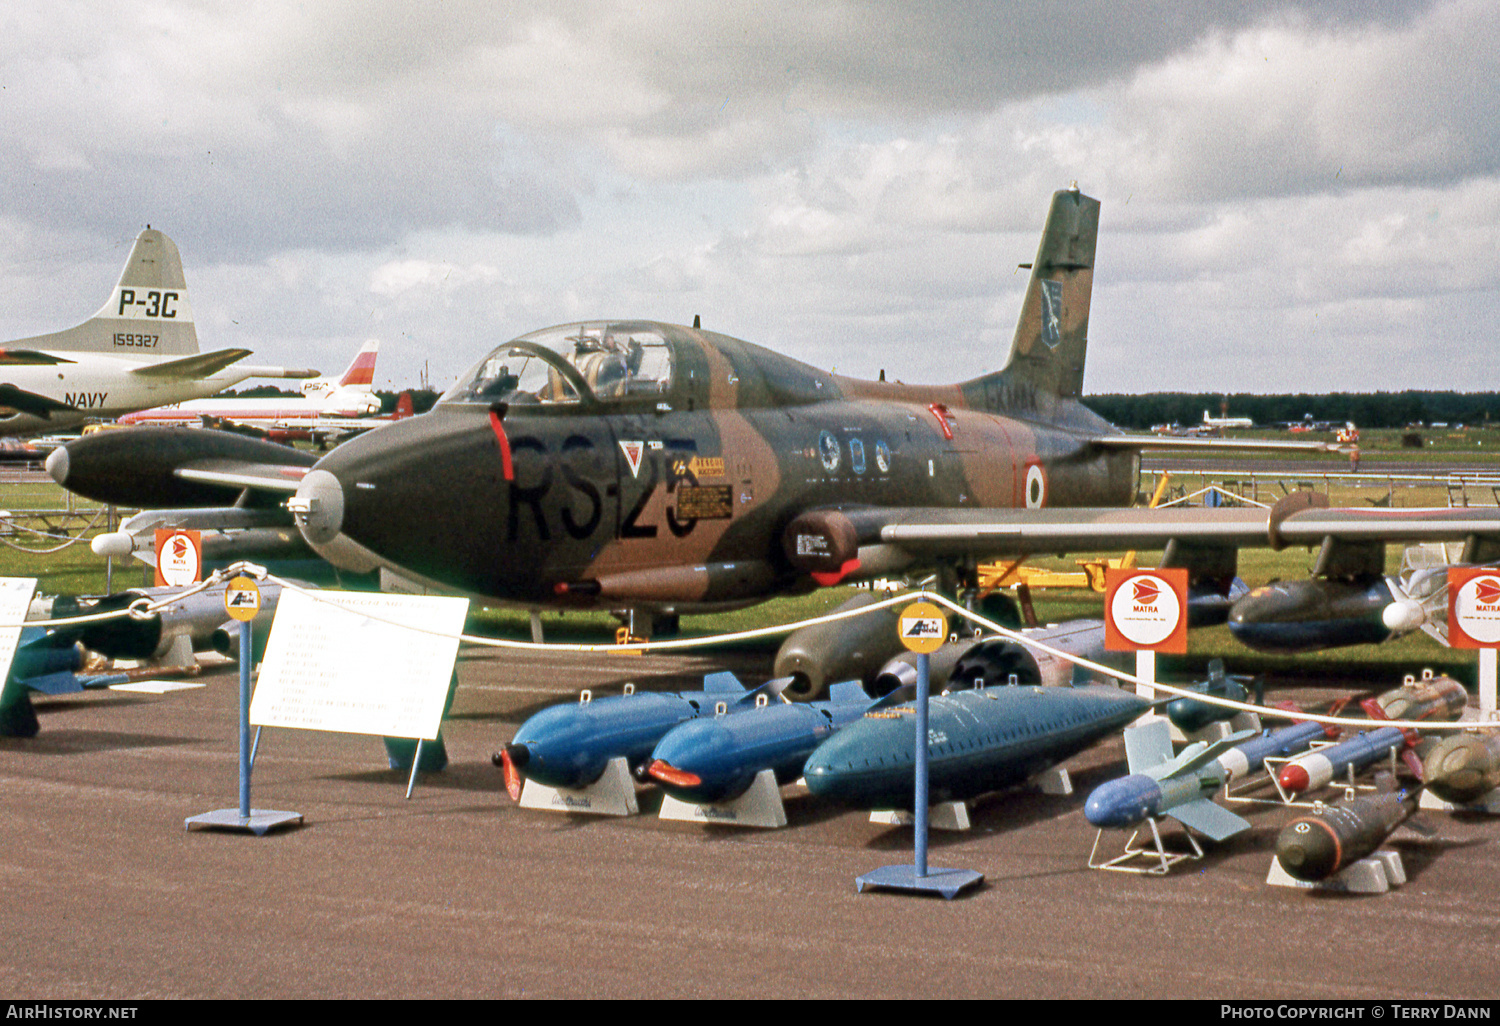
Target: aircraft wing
1187, 443
1208, 819
33, 403
263, 477
30, 358
988, 533
200, 365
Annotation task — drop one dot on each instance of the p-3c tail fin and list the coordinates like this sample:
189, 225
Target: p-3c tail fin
148, 313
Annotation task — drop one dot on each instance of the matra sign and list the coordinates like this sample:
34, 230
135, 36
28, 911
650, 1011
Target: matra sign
1473, 608
179, 557
1145, 610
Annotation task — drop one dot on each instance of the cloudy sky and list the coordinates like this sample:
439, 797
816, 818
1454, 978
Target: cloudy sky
1296, 196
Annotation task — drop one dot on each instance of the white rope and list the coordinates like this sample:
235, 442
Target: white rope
905, 598
142, 608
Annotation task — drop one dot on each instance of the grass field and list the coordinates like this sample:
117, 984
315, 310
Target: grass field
76, 570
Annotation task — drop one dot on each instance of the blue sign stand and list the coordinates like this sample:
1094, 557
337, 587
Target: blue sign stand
947, 882
256, 821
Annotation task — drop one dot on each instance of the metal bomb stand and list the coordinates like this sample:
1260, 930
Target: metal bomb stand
923, 628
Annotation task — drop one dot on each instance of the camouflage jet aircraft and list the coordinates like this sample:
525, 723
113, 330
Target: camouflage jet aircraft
635, 465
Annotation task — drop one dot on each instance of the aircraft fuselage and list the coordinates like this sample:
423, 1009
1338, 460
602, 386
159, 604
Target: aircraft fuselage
682, 497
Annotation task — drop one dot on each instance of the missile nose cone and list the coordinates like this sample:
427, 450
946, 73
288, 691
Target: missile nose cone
1403, 616
1294, 778
57, 465
512, 759
1122, 803
118, 544
1308, 849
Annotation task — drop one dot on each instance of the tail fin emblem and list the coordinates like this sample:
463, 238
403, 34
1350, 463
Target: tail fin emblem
1051, 312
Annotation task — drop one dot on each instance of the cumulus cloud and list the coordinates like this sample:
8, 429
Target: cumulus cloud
853, 181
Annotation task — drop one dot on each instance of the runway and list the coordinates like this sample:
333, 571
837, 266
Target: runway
458, 893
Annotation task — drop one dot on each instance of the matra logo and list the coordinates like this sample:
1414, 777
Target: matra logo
1146, 591
86, 400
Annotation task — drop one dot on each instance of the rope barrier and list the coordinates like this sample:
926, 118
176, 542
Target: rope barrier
902, 599
145, 607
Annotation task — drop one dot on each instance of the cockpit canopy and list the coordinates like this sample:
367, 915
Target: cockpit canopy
572, 363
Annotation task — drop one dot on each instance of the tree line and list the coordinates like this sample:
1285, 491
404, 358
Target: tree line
1366, 410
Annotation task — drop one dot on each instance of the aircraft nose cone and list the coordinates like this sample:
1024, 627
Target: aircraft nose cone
318, 507
58, 464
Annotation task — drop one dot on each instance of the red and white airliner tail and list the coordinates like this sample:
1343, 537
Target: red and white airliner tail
349, 395
358, 377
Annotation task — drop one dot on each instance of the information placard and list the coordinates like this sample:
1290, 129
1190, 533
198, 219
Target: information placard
179, 556
359, 663
15, 600
923, 627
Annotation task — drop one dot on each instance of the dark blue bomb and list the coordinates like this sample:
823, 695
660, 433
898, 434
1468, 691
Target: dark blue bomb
979, 741
570, 745
716, 759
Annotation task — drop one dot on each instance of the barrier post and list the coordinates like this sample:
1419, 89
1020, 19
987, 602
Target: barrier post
923, 627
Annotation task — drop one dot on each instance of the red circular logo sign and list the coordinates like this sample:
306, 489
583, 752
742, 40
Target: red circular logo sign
1476, 608
1146, 610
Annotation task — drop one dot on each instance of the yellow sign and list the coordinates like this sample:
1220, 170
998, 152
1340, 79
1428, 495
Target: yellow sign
923, 627
242, 599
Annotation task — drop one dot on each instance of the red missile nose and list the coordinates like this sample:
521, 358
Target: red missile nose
669, 774
512, 775
1293, 778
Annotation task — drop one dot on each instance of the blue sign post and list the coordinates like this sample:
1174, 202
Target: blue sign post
923, 628
242, 603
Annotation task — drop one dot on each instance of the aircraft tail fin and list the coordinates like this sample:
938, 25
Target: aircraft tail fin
771, 689
148, 313
847, 691
1051, 339
361, 373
